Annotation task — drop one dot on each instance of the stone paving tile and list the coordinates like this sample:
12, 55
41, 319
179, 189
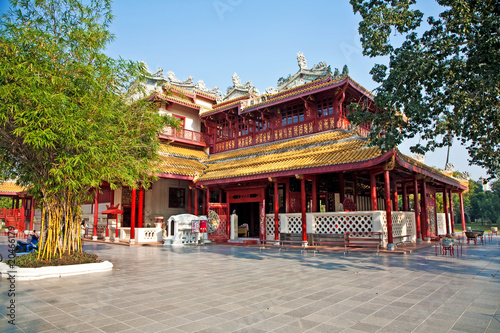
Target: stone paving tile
218, 288
325, 328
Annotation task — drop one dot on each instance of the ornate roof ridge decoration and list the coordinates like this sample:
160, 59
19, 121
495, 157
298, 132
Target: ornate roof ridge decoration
238, 89
312, 140
225, 105
317, 84
179, 100
188, 85
303, 75
168, 86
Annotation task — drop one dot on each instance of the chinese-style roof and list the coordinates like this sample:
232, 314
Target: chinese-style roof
413, 165
225, 105
319, 84
180, 160
182, 151
331, 148
337, 149
11, 188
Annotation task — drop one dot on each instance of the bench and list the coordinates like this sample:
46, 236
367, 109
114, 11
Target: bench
363, 239
402, 239
330, 240
285, 238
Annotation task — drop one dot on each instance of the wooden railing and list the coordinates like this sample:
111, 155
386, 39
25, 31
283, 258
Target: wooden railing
185, 135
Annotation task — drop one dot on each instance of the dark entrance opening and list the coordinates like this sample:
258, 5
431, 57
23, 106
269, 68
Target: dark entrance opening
248, 212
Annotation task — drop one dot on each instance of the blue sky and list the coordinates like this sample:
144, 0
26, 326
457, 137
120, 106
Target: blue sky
257, 39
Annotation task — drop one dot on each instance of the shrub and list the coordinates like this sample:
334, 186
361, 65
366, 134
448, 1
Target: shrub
30, 260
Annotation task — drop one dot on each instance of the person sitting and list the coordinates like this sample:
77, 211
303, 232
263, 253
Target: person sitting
31, 243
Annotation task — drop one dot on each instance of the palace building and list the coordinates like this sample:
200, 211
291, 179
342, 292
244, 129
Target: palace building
287, 162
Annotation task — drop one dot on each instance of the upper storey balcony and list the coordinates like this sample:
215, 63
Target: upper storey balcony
186, 136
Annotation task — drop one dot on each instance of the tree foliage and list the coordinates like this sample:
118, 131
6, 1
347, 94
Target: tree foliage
67, 121
441, 82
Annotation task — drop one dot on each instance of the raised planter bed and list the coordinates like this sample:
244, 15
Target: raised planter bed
21, 274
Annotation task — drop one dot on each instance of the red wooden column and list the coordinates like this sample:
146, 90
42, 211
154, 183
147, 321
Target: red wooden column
452, 217
445, 208
117, 230
96, 208
395, 205
303, 204
207, 200
405, 198
276, 213
21, 214
287, 195
425, 218
462, 212
388, 211
195, 201
190, 200
141, 203
314, 194
373, 190
341, 184
355, 189
417, 210
132, 218
32, 212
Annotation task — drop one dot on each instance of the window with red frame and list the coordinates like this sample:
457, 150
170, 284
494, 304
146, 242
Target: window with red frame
325, 107
182, 119
224, 130
293, 114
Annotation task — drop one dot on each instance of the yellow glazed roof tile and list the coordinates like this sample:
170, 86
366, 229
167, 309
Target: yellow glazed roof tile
181, 160
11, 187
180, 166
326, 149
182, 151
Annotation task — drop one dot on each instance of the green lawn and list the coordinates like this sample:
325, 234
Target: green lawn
476, 226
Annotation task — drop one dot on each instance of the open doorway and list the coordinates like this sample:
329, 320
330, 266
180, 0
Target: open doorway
248, 213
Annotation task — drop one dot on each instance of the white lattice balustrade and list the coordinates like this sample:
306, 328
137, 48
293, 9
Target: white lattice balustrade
270, 225
145, 235
294, 224
403, 224
340, 223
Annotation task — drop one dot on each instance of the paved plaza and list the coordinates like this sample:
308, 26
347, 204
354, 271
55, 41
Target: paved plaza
221, 288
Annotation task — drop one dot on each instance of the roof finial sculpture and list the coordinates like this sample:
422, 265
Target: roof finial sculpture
301, 60
171, 77
201, 85
158, 73
236, 80
345, 70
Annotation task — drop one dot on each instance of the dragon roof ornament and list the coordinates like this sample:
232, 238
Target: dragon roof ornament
304, 75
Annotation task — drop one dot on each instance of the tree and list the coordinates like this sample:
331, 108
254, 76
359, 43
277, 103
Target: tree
449, 71
67, 118
5, 202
